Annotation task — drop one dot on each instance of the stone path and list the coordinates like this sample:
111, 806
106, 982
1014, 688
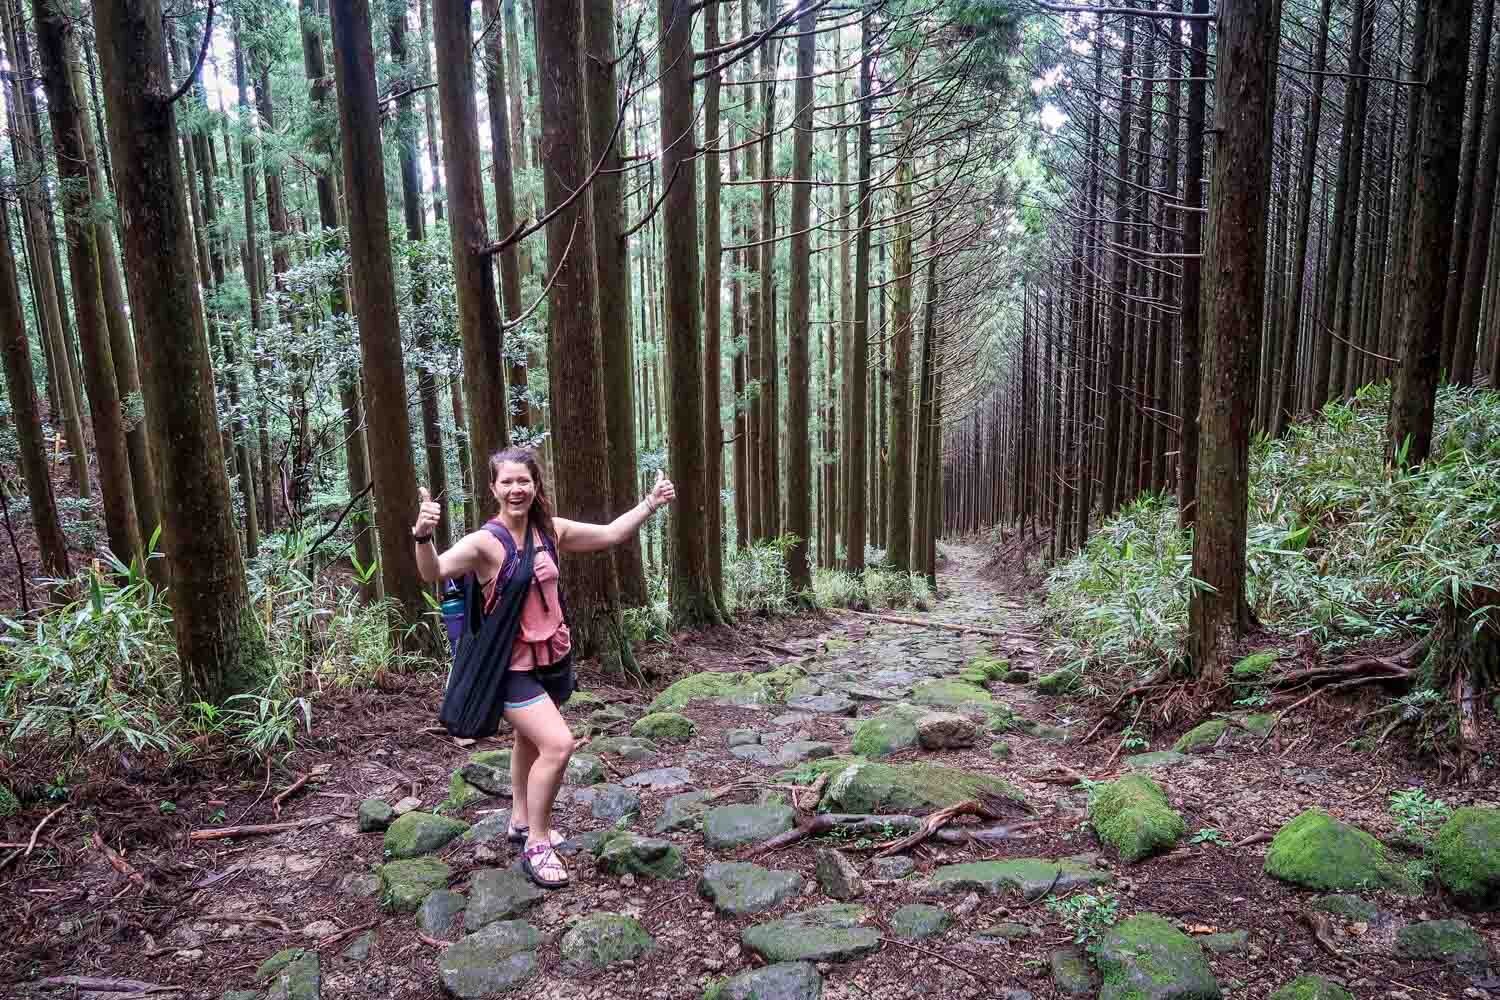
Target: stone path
1128, 890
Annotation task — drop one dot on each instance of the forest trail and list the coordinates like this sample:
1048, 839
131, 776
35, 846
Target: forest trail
206, 918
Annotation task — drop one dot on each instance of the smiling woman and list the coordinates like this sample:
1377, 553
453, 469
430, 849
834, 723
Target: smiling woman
514, 657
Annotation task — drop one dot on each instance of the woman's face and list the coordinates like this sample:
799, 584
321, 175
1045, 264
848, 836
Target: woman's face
513, 488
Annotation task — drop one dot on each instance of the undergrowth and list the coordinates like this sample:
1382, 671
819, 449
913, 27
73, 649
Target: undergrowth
1339, 549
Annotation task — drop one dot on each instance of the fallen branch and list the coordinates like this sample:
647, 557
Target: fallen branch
1060, 774
941, 958
935, 822
97, 985
815, 793
1318, 924
985, 835
334, 939
433, 942
259, 829
923, 623
1255, 838
248, 918
827, 823
290, 791
31, 844
116, 862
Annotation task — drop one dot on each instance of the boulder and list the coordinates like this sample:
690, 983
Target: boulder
916, 921
419, 833
1071, 973
609, 802
1146, 958
681, 812
495, 959
1468, 857
733, 688
499, 894
1453, 942
1031, 877
870, 787
946, 731
405, 884
664, 727
375, 815
833, 933
739, 889
782, 981
728, 827
950, 694
1316, 851
837, 875
600, 940
884, 734
629, 854
1311, 988
1132, 816
440, 913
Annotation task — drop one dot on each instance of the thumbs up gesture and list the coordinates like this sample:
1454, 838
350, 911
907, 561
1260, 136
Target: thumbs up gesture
662, 491
428, 513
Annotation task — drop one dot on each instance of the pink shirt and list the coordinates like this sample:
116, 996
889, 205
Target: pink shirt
543, 638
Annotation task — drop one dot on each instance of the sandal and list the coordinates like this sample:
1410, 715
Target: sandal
517, 836
546, 859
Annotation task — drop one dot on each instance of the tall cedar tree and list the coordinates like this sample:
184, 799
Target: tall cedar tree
497, 86
856, 510
219, 642
473, 271
612, 255
1414, 394
798, 374
1231, 313
713, 431
899, 478
1192, 269
1472, 281
579, 440
374, 279
692, 597
55, 46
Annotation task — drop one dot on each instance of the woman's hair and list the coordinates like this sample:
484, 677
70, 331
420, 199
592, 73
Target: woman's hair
541, 504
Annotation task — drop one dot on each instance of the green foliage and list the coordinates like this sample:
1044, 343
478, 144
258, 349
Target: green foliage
1418, 815
1339, 549
1209, 835
1087, 915
875, 588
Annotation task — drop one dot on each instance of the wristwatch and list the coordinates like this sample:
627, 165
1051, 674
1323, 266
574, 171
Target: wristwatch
422, 539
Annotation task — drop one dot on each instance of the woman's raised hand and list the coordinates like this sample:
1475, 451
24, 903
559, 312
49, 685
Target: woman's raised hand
428, 514
662, 492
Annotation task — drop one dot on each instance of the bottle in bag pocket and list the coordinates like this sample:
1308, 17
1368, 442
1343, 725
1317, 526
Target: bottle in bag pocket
453, 614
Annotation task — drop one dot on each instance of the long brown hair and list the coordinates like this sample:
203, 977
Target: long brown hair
541, 504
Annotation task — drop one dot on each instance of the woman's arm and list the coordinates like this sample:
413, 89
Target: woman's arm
467, 555
579, 536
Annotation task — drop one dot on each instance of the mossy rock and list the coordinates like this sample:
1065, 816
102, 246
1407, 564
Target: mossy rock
990, 667
1147, 958
782, 981
419, 833
870, 787
1132, 816
584, 769
9, 804
950, 694
916, 921
629, 854
781, 681
884, 734
1059, 682
625, 747
1031, 877
1255, 666
1347, 906
1156, 759
1316, 851
832, 933
1468, 857
405, 884
664, 727
1207, 735
497, 958
1000, 750
976, 677
488, 771
461, 795
583, 701
1311, 988
600, 940
735, 688
1450, 941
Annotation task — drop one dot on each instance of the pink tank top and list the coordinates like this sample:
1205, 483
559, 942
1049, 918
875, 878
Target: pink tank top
543, 639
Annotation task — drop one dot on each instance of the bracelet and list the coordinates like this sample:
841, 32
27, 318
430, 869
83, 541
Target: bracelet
422, 539
651, 508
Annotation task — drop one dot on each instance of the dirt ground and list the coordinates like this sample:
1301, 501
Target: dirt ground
117, 887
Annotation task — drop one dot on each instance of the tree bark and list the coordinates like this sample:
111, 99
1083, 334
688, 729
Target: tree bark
799, 325
898, 493
713, 428
496, 90
1114, 417
770, 405
434, 161
1475, 265
855, 498
1192, 271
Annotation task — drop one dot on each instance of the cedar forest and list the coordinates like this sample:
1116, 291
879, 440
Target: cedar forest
1168, 328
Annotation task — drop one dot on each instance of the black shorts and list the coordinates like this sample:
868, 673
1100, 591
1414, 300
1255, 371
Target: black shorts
527, 687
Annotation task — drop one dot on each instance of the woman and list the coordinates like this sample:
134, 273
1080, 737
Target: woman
539, 677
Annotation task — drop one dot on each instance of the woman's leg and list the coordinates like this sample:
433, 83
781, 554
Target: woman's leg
521, 760
540, 724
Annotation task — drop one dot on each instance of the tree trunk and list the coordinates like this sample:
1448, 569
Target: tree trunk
1192, 271
434, 161
799, 324
898, 553
1476, 264
257, 493
857, 355
770, 408
219, 642
1414, 394
1232, 305
496, 87
1341, 331
56, 49
713, 427
1114, 417
388, 433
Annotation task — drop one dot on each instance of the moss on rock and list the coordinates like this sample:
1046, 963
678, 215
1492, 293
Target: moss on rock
950, 694
991, 667
664, 727
1311, 988
604, 939
736, 688
1146, 958
1132, 816
859, 786
1316, 851
1232, 732
1468, 857
1059, 682
419, 833
884, 734
1451, 941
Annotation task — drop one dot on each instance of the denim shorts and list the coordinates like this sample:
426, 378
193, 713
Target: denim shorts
524, 688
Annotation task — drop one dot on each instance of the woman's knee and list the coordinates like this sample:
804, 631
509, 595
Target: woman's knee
556, 746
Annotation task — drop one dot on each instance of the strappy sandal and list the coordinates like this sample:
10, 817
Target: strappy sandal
517, 836
541, 853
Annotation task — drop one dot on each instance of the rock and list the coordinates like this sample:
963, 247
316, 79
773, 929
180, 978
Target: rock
600, 940
608, 716
375, 815
832, 933
989, 667
1132, 816
1146, 958
489, 828
664, 727
360, 885
661, 779
870, 787
629, 854
1000, 750
439, 914
754, 753
1162, 759
950, 694
359, 947
1311, 988
1041, 731
1059, 682
916, 921
738, 889
682, 812
837, 875
1450, 941
419, 833
1468, 857
1351, 907
1005, 931
461, 795
782, 981
1226, 943
872, 692
499, 894
300, 978
406, 805
583, 769
788, 719
495, 959
405, 884
583, 701
889, 869
734, 688
1225, 733
741, 738
822, 704
798, 751
884, 734
271, 966
946, 731
625, 747
489, 771
242, 995
319, 929
1316, 851
1031, 877
1071, 974
1255, 666
1016, 677
609, 802
728, 827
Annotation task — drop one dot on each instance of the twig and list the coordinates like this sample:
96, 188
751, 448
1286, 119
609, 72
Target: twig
1047, 891
334, 939
985, 835
1060, 774
292, 789
116, 862
257, 829
815, 792
433, 942
1319, 928
248, 918
31, 844
1255, 838
934, 822
921, 623
941, 958
356, 498
97, 985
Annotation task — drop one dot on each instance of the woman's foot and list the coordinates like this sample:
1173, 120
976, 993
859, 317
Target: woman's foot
518, 835
542, 865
